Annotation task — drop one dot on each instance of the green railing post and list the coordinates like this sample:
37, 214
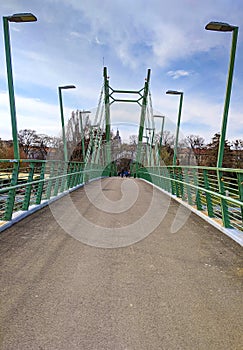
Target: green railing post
64, 176
77, 177
81, 178
188, 187
208, 195
69, 175
181, 187
173, 184
50, 180
240, 190
166, 183
181, 177
198, 196
57, 182
28, 188
224, 205
41, 184
12, 193
73, 176
176, 184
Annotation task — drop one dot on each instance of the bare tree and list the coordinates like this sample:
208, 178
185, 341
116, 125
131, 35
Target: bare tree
166, 150
196, 144
27, 138
74, 134
37, 146
168, 139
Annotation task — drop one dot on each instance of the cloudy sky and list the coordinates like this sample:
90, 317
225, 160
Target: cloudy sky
72, 40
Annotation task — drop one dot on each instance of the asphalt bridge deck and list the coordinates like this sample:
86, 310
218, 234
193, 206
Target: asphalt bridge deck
178, 287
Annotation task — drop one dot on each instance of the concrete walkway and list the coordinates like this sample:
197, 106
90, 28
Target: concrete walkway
170, 290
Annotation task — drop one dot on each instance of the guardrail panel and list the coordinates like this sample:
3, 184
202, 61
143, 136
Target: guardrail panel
216, 192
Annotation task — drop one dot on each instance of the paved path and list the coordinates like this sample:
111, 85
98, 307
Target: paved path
168, 291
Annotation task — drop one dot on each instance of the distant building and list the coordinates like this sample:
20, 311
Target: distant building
116, 141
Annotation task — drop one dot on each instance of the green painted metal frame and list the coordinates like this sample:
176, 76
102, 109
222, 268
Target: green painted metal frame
142, 119
110, 99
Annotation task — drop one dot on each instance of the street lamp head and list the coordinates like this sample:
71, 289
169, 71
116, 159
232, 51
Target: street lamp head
22, 17
67, 87
220, 27
174, 92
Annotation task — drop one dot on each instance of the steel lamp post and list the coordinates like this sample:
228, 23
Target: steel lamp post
174, 92
149, 131
162, 128
161, 134
82, 130
60, 88
225, 27
17, 18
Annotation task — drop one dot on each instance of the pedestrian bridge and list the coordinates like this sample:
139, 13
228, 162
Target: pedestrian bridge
214, 194
91, 260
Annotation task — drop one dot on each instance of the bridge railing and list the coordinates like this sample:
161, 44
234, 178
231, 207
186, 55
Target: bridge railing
25, 182
218, 193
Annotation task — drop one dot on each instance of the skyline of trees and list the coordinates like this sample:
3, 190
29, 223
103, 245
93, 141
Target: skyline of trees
192, 150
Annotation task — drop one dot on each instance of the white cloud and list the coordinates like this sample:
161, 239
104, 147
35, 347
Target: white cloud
76, 34
31, 114
178, 73
33, 56
178, 34
67, 44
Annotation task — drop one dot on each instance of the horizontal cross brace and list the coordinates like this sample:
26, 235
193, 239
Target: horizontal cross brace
124, 100
125, 91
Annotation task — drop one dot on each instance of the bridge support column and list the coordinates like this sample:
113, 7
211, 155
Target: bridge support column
142, 119
107, 120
